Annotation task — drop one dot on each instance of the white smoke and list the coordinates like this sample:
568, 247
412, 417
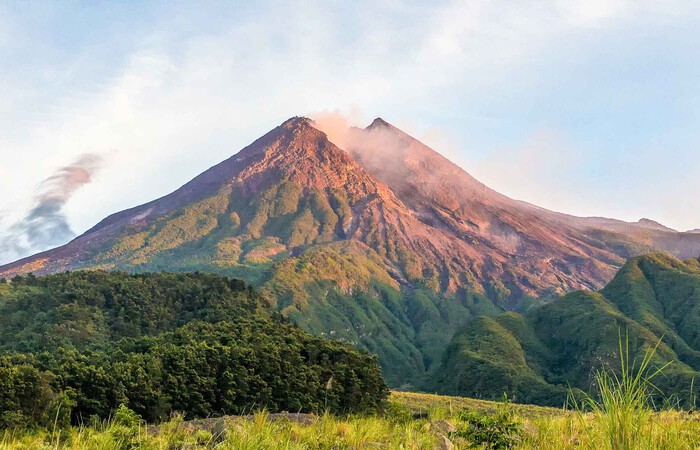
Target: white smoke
45, 225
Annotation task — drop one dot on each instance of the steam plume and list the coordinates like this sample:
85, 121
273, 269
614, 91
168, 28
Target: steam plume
45, 225
378, 147
336, 125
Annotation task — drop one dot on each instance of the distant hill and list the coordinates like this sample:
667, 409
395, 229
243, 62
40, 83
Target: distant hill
535, 356
383, 243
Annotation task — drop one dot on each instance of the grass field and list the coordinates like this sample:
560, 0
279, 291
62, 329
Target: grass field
414, 421
419, 403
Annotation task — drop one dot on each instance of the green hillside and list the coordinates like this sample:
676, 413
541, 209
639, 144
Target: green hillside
77, 345
340, 289
536, 356
385, 244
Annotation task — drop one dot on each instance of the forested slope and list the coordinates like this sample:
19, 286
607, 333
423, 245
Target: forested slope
77, 345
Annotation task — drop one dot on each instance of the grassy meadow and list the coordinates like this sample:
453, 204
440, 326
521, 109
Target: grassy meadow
412, 421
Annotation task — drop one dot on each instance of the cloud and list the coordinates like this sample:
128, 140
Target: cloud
45, 225
542, 169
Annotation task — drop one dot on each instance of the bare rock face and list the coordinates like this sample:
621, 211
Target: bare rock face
445, 443
529, 249
443, 427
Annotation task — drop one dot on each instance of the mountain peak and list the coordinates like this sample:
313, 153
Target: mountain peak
383, 188
648, 223
296, 122
378, 123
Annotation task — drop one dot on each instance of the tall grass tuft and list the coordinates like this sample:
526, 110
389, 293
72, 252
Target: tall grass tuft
623, 409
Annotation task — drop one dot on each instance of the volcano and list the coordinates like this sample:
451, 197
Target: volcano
383, 243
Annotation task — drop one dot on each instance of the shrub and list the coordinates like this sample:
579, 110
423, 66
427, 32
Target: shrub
492, 431
397, 413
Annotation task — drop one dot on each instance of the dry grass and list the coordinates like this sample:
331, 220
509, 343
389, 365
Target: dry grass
543, 428
427, 403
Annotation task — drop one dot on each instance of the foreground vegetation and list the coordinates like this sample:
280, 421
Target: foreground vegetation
441, 419
621, 415
166, 361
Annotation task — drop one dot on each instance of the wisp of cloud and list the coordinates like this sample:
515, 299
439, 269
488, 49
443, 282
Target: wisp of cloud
45, 225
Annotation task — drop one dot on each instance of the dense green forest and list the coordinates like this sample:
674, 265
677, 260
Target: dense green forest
536, 356
75, 346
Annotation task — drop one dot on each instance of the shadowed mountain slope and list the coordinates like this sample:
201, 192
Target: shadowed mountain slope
536, 356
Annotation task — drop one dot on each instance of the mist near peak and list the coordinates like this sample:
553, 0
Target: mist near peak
336, 125
388, 151
378, 141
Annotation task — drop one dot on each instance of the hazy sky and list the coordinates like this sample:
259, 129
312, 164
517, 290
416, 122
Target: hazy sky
591, 108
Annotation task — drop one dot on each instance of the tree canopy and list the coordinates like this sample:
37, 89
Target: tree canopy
77, 345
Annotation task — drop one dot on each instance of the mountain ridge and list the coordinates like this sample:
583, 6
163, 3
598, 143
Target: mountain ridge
652, 299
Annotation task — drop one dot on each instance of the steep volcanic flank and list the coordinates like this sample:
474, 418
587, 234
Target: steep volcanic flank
292, 188
517, 245
387, 245
526, 248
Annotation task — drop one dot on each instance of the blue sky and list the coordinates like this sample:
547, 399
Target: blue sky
591, 108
